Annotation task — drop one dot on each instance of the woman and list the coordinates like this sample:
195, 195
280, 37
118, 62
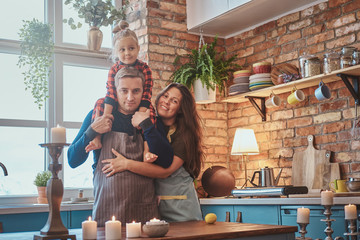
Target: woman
179, 122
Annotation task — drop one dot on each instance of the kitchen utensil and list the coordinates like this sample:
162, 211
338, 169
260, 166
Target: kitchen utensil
269, 191
312, 168
353, 184
322, 92
266, 177
296, 96
338, 186
218, 181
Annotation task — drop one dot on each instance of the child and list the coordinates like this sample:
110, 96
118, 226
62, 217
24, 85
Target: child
126, 49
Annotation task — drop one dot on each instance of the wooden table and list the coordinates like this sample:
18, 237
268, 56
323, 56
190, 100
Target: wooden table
195, 230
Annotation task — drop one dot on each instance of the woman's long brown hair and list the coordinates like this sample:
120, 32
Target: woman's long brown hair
189, 128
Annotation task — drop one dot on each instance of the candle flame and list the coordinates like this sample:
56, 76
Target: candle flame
58, 125
113, 218
133, 221
154, 220
89, 218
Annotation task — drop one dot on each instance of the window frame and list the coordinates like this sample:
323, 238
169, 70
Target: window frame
64, 54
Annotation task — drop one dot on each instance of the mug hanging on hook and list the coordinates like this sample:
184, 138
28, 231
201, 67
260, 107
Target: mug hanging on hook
322, 92
273, 101
296, 96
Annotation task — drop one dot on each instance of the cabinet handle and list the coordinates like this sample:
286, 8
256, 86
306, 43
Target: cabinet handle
227, 218
239, 217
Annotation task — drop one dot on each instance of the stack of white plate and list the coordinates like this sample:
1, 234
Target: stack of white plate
259, 81
238, 88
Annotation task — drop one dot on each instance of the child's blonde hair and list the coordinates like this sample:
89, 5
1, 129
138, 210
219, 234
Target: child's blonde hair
121, 31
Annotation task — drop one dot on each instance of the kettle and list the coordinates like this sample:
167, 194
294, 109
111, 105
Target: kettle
266, 177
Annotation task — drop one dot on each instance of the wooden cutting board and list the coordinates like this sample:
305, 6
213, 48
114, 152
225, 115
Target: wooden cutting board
287, 68
312, 168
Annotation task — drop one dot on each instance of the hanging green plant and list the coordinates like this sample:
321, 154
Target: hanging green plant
211, 67
37, 47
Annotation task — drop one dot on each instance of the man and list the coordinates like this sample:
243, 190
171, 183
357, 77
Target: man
127, 196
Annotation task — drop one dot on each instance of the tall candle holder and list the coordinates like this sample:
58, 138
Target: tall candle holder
352, 230
328, 230
302, 231
54, 227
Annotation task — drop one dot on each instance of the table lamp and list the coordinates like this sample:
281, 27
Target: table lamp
244, 144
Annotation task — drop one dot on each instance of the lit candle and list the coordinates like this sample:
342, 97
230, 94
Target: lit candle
58, 134
89, 229
327, 198
133, 229
155, 221
303, 215
113, 229
350, 212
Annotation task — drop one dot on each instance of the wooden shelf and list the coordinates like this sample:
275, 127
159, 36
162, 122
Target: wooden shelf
299, 84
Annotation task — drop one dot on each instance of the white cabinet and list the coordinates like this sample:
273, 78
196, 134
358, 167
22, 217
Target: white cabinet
228, 18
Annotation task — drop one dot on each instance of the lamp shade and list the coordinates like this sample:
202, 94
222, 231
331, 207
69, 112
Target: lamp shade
244, 142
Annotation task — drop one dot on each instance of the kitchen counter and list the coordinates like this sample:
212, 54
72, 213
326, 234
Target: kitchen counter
195, 230
292, 200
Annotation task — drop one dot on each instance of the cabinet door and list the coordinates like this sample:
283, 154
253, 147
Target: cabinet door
316, 227
258, 214
220, 211
77, 217
24, 222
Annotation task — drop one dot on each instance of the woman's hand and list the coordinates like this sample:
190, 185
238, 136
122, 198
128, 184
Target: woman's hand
115, 165
138, 117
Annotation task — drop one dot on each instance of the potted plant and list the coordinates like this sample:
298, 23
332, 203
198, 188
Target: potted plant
205, 68
40, 182
37, 47
96, 13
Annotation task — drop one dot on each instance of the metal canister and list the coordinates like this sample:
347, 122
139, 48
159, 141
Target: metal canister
331, 62
312, 67
302, 63
356, 58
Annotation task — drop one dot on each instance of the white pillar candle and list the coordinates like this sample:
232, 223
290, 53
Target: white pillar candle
89, 229
350, 212
303, 215
113, 229
133, 229
327, 198
58, 134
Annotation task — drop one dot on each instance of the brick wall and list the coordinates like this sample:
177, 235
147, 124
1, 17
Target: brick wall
316, 30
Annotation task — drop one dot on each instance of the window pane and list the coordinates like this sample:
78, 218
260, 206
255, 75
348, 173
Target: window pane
23, 158
10, 11
82, 176
82, 87
16, 103
79, 35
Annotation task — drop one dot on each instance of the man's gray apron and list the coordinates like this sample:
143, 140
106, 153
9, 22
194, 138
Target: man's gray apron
125, 195
178, 198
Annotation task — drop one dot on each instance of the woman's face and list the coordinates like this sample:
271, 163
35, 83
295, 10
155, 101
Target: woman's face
128, 50
169, 104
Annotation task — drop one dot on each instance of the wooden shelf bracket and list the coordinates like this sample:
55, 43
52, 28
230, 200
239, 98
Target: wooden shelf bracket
353, 88
262, 110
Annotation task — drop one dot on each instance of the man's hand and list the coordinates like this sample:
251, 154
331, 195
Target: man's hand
114, 165
102, 124
138, 117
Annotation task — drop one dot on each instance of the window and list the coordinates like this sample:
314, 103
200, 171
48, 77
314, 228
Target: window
77, 80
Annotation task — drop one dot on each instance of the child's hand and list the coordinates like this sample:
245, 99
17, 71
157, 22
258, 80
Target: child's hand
138, 117
150, 157
94, 144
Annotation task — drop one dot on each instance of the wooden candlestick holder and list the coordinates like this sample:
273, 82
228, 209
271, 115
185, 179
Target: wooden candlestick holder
54, 227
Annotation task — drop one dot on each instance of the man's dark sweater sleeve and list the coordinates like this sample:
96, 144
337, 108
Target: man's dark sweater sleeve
158, 143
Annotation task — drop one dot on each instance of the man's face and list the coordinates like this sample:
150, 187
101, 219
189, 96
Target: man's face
129, 93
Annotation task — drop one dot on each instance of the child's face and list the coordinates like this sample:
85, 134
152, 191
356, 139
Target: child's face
128, 50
